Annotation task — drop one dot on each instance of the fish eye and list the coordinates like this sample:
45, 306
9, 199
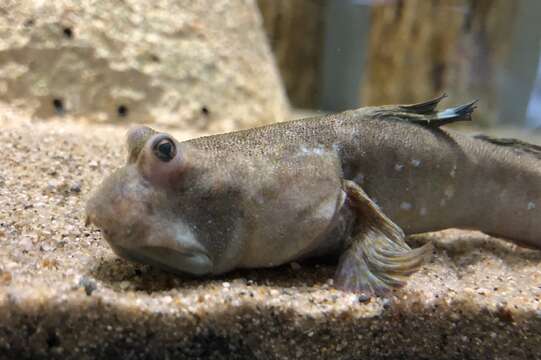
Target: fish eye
164, 149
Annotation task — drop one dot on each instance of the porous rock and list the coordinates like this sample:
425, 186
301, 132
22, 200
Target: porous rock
178, 63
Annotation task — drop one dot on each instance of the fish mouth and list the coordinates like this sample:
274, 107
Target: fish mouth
167, 259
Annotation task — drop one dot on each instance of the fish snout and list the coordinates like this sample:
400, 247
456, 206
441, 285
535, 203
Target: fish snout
101, 216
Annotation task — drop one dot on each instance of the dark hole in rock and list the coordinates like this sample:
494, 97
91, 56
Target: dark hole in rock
29, 22
154, 58
68, 32
53, 340
58, 105
205, 111
122, 110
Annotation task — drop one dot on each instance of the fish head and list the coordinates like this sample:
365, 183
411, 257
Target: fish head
135, 207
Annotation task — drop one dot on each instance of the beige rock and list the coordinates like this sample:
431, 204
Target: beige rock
185, 64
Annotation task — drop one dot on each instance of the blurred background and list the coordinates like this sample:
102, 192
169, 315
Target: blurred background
340, 54
222, 65
75, 74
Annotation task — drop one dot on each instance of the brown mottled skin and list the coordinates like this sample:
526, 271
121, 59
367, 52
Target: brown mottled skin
266, 196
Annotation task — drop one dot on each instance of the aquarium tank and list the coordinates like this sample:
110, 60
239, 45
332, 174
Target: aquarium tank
270, 179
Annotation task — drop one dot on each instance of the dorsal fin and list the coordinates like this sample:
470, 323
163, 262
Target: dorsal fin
425, 107
513, 144
461, 112
425, 113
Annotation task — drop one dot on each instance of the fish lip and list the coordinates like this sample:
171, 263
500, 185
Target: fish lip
176, 251
141, 255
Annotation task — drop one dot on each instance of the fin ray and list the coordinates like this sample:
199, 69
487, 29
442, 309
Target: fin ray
425, 107
425, 113
378, 259
463, 112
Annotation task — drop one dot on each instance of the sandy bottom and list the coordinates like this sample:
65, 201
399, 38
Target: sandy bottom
64, 294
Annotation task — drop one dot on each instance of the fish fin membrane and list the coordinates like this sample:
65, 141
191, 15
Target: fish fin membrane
426, 107
425, 113
378, 259
373, 265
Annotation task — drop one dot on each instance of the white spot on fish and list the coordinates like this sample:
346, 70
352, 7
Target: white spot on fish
423, 211
398, 167
415, 162
336, 147
406, 206
531, 205
315, 151
326, 210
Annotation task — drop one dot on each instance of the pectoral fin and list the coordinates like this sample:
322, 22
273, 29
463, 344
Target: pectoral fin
378, 258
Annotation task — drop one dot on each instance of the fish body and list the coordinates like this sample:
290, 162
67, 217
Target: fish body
352, 184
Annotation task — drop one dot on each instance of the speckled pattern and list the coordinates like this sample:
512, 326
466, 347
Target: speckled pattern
190, 64
64, 294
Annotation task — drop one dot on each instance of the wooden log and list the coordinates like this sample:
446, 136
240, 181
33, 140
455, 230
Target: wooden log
295, 30
421, 48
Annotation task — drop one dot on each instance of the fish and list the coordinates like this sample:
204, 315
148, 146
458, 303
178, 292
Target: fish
352, 185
